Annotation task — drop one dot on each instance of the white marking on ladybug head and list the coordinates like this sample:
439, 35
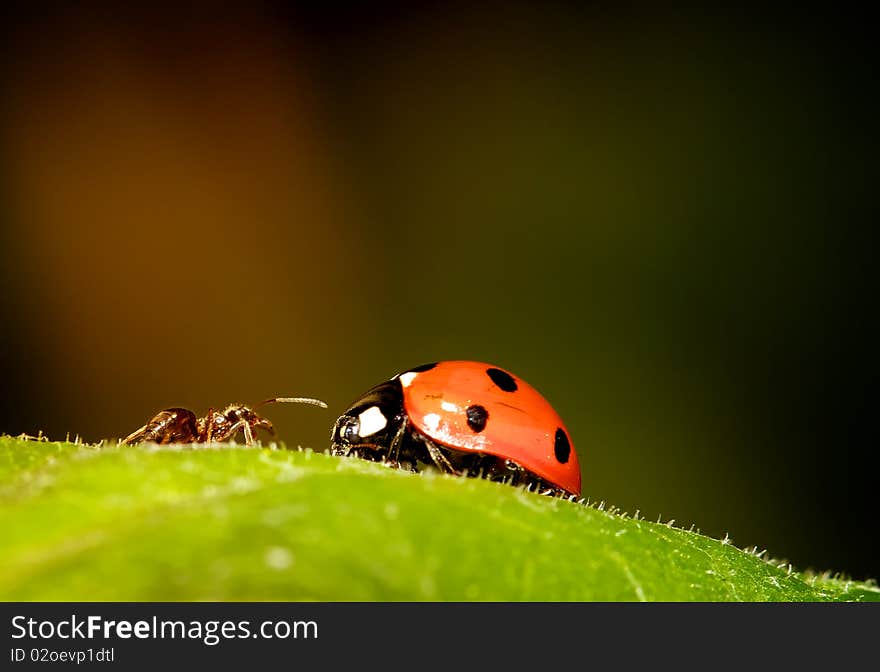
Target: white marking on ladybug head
407, 378
371, 421
432, 421
449, 406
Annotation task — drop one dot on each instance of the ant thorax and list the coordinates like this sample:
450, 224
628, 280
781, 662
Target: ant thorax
224, 425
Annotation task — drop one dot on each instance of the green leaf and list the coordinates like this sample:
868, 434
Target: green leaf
232, 523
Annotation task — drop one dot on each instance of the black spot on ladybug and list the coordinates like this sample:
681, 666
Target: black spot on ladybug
561, 446
502, 379
423, 368
477, 417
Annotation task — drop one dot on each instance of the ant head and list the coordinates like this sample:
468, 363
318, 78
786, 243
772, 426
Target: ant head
236, 415
238, 412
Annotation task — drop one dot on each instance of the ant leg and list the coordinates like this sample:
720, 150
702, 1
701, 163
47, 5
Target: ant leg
240, 426
228, 433
248, 433
209, 426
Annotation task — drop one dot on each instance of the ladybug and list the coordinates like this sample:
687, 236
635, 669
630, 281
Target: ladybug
464, 418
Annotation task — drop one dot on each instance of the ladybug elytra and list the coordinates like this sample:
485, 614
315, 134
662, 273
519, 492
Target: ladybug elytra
464, 418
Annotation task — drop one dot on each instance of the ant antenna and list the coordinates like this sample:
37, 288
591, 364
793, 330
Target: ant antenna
294, 400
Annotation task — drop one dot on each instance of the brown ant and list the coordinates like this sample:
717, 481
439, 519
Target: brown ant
180, 425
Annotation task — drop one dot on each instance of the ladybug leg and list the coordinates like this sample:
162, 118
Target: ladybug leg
393, 455
439, 458
372, 452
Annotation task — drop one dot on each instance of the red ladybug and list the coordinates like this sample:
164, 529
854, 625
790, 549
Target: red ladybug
465, 418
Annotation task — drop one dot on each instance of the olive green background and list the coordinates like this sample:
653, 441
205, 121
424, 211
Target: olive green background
657, 219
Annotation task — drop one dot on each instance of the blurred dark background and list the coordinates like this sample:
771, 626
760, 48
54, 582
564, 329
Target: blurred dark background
662, 221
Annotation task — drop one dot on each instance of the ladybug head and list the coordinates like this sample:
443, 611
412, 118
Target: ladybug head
345, 431
371, 421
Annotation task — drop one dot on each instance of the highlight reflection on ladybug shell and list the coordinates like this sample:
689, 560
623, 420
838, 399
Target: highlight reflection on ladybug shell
473, 406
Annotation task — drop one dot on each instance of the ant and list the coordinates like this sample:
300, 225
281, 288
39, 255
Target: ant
180, 425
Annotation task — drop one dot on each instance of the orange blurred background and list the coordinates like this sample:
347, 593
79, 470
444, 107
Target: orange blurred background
655, 219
